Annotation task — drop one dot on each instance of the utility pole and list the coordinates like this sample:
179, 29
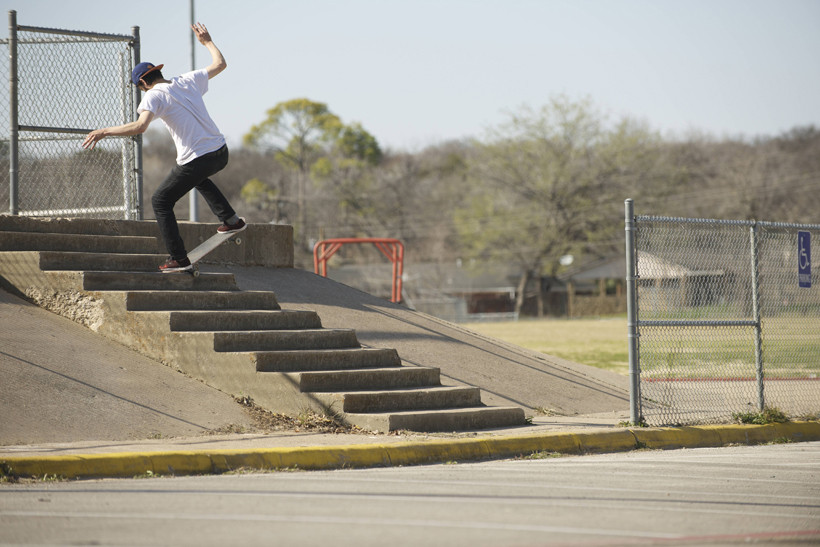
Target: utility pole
193, 194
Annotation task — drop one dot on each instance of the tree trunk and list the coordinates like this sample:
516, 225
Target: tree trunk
300, 215
539, 297
519, 293
542, 291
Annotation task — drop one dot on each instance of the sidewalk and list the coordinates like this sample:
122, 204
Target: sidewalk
307, 451
291, 439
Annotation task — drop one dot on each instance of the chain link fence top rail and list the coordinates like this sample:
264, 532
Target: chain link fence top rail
70, 82
697, 326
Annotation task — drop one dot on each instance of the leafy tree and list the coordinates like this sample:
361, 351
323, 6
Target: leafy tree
354, 142
306, 137
296, 131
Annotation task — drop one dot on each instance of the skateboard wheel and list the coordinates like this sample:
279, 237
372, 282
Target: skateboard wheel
196, 273
238, 240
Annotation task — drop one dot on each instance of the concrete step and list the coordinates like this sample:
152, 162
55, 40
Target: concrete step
101, 262
420, 398
85, 226
285, 340
244, 320
325, 359
370, 379
457, 419
27, 241
262, 244
200, 301
125, 281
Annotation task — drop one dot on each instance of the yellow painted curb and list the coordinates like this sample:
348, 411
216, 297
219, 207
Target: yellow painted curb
706, 436
678, 437
610, 441
132, 464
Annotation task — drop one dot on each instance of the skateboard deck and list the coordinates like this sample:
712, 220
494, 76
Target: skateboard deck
209, 245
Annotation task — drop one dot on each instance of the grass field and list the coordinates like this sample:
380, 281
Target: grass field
790, 347
599, 343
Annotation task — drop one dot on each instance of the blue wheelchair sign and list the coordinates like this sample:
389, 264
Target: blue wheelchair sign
804, 259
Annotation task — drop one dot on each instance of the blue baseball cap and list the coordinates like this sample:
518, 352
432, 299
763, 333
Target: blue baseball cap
141, 70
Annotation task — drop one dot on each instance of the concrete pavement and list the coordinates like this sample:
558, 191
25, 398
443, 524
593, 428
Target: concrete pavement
761, 495
61, 382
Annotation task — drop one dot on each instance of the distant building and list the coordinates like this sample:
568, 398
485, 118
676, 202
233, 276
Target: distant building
596, 288
458, 292
469, 291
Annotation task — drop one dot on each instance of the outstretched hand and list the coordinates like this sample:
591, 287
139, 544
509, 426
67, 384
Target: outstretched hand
201, 33
92, 138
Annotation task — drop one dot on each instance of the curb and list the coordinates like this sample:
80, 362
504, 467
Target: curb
132, 464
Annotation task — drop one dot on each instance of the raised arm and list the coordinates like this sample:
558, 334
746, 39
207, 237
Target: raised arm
218, 63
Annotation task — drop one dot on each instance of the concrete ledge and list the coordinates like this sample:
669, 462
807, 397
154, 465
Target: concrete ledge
131, 464
262, 244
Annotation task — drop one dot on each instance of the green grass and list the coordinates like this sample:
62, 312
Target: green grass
599, 343
790, 350
790, 346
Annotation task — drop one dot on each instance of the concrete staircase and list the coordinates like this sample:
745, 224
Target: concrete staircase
104, 274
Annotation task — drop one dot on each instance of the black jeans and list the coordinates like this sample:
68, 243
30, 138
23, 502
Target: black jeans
179, 182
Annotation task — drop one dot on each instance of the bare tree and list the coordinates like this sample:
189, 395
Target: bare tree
547, 183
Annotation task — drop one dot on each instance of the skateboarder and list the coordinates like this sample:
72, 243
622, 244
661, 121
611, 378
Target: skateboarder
201, 148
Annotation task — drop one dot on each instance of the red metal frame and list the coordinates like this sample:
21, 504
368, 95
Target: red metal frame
393, 249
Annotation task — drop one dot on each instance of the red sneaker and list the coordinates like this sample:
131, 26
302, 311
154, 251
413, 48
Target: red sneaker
181, 265
232, 228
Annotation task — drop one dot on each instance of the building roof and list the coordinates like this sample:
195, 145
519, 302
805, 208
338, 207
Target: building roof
650, 266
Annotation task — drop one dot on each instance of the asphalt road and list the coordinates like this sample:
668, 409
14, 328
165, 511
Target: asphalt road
764, 495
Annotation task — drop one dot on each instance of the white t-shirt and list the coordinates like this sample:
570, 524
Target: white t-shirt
180, 107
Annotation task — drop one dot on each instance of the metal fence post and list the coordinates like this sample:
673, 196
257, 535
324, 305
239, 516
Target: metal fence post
125, 92
756, 317
135, 32
14, 127
632, 316
193, 203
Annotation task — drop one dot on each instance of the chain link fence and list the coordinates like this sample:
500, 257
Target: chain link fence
724, 321
61, 85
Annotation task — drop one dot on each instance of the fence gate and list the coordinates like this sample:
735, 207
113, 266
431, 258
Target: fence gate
724, 318
61, 85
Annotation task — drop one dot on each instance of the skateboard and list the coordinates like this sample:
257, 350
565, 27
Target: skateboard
209, 245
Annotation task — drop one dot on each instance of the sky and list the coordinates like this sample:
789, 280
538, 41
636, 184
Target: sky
416, 73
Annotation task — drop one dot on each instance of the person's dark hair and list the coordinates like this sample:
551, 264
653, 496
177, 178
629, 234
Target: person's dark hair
152, 77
